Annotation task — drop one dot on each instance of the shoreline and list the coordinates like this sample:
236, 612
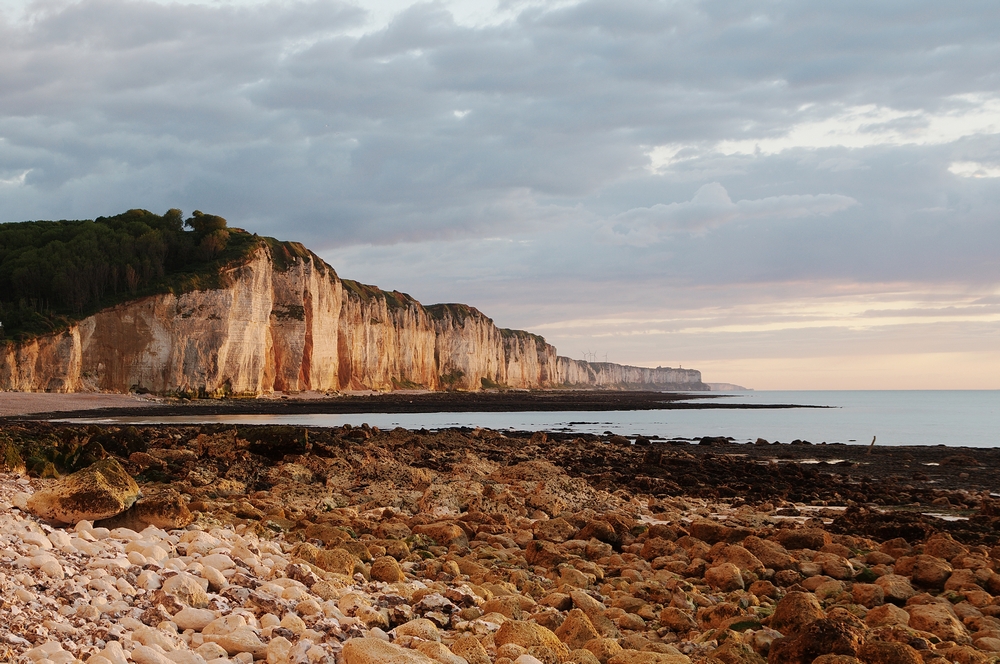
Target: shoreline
65, 405
710, 467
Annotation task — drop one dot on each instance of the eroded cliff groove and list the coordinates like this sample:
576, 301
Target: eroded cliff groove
284, 321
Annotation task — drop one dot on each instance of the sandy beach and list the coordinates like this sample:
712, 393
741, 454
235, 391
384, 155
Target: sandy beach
27, 403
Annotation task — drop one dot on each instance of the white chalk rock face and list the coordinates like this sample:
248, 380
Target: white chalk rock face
286, 321
99, 491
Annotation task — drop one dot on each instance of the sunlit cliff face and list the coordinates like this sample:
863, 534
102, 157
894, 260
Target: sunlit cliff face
294, 325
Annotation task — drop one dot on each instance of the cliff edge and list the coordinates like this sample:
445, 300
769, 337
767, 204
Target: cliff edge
282, 320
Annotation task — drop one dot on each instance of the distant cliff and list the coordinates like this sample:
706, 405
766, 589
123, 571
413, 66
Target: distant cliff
282, 320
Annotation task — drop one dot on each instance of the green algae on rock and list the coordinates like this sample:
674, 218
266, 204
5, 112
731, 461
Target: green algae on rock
99, 491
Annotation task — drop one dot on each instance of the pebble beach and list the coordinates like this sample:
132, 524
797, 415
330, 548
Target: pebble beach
361, 546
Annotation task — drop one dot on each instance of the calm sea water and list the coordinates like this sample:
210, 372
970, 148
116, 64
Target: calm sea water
970, 418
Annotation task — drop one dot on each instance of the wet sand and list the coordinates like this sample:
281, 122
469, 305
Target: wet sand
13, 404
369, 402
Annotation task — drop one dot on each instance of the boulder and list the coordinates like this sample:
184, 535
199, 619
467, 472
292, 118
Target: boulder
942, 545
370, 650
887, 652
241, 639
655, 547
529, 635
733, 652
387, 570
638, 657
822, 637
939, 620
795, 612
439, 652
554, 530
505, 605
595, 611
803, 538
196, 619
677, 620
603, 649
599, 530
966, 655
444, 534
725, 577
471, 649
420, 628
770, 554
930, 571
712, 531
165, 509
99, 491
337, 561
10, 458
576, 630
836, 659
187, 589
886, 614
544, 554
742, 558
868, 595
895, 588
582, 656
834, 566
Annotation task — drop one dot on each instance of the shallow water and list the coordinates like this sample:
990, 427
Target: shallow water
954, 418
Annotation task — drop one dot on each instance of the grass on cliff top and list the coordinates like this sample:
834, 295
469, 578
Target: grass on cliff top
53, 273
522, 335
367, 293
458, 312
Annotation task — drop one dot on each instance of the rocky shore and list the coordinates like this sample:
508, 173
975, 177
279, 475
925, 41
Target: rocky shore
221, 544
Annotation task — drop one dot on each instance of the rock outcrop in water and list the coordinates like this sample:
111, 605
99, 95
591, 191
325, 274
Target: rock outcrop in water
284, 321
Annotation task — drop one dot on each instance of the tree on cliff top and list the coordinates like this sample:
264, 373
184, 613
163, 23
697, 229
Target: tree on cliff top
53, 272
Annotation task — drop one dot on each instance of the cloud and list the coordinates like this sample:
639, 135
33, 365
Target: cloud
712, 207
855, 127
15, 180
974, 169
534, 156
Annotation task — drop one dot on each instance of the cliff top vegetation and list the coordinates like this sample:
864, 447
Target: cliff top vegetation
55, 272
458, 312
366, 293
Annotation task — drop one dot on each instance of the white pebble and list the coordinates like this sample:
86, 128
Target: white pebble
216, 581
218, 561
211, 651
149, 580
61, 540
114, 653
53, 570
147, 655
125, 534
196, 619
38, 539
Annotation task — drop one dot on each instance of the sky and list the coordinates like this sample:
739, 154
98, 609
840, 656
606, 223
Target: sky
783, 194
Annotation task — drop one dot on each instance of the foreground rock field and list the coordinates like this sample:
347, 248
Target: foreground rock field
353, 545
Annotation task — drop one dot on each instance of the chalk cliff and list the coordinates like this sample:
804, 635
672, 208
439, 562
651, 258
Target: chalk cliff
284, 321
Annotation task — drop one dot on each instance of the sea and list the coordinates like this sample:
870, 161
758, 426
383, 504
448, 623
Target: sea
907, 417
